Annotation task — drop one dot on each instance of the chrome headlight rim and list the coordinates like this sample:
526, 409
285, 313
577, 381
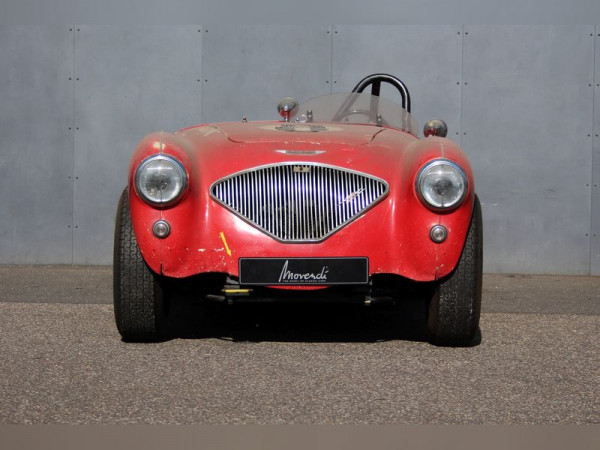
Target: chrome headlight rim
180, 169
435, 163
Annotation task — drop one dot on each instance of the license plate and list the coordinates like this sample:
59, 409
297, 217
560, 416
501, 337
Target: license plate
303, 271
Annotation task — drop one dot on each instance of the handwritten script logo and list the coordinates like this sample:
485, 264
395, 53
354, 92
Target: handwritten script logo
352, 196
287, 276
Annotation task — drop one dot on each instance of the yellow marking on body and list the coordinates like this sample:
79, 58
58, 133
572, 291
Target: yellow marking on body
225, 243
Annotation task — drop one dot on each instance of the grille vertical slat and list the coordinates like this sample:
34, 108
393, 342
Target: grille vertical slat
304, 218
322, 204
309, 195
262, 200
287, 205
296, 208
331, 199
299, 202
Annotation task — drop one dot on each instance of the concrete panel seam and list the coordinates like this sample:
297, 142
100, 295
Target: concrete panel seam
202, 30
331, 30
72, 177
592, 146
595, 193
462, 32
75, 226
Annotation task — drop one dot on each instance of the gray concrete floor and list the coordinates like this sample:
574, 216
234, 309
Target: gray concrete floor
62, 359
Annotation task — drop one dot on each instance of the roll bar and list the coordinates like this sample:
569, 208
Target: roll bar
375, 81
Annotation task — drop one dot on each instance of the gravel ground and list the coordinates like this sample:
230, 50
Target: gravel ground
63, 361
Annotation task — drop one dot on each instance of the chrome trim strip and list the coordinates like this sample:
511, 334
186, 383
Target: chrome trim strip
301, 152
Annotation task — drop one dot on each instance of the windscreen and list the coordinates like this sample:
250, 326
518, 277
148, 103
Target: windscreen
355, 108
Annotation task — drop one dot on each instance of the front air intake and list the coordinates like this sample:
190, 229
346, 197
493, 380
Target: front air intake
299, 202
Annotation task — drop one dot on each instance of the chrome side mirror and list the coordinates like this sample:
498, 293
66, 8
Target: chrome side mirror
435, 127
286, 106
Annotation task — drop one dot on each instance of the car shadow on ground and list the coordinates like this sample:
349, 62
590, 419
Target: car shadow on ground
299, 322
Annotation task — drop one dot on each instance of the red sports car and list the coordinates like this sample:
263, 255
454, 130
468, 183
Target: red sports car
339, 199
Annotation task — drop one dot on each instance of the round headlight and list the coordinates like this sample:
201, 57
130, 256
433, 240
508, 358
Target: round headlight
160, 180
442, 184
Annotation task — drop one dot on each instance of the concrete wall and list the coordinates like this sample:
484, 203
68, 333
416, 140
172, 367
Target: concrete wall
524, 102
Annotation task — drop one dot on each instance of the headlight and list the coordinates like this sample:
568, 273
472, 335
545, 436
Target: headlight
442, 184
160, 180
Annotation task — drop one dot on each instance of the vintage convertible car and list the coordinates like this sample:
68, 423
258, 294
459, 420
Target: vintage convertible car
339, 199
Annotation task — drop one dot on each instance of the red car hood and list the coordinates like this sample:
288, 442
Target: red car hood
299, 133
215, 151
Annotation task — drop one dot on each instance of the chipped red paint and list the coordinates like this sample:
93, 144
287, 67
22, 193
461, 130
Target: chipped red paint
394, 234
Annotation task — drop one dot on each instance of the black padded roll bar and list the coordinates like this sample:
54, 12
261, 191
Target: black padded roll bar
375, 80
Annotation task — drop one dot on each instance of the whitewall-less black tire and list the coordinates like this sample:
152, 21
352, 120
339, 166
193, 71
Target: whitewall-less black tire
454, 308
139, 299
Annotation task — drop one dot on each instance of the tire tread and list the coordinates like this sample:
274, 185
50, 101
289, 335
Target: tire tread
455, 307
138, 296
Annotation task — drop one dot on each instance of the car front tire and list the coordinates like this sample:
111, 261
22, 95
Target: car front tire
140, 302
454, 307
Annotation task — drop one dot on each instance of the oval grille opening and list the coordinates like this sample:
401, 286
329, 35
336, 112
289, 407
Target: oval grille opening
299, 202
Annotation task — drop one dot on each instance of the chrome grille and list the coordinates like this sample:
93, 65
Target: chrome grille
299, 202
